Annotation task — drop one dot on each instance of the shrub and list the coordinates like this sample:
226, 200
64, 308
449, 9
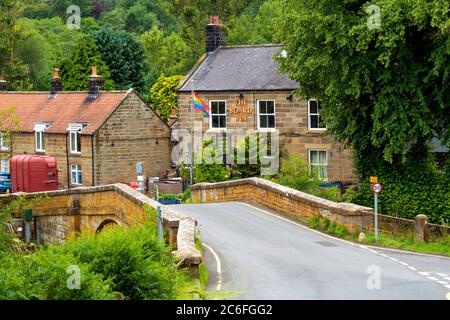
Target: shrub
44, 276
324, 223
314, 222
295, 173
332, 227
341, 231
134, 260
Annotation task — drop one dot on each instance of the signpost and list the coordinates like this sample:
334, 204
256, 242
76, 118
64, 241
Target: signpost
376, 188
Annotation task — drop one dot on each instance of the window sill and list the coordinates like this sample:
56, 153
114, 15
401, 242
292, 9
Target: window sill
75, 154
217, 130
267, 130
317, 131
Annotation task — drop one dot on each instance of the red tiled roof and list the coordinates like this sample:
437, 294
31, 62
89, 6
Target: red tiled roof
62, 110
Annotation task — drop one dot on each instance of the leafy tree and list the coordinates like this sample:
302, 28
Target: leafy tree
168, 55
124, 55
194, 15
258, 29
164, 96
384, 91
9, 124
248, 147
11, 65
76, 71
44, 45
115, 18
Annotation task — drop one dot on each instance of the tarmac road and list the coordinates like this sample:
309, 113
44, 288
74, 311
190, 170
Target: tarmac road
259, 255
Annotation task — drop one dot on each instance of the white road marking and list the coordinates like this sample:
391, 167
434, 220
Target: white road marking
342, 240
393, 259
219, 267
360, 245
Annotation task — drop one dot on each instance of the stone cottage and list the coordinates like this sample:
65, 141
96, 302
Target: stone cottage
97, 137
243, 89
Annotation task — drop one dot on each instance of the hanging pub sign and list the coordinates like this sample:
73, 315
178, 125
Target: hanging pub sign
241, 110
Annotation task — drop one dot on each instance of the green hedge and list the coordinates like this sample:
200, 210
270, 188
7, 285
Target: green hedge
419, 188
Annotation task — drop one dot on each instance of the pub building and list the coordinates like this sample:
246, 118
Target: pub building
243, 89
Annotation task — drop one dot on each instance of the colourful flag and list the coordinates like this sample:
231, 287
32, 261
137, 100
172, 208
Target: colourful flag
201, 106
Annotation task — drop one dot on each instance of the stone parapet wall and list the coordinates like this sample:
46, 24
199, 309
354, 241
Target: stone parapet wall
291, 202
59, 214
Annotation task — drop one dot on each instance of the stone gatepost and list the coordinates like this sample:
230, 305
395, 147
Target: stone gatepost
421, 228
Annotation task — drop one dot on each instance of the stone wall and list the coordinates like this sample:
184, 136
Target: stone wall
133, 133
291, 121
60, 214
285, 200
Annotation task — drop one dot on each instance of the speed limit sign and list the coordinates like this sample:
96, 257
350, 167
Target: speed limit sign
377, 187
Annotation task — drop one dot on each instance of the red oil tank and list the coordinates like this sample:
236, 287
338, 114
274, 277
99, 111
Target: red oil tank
33, 173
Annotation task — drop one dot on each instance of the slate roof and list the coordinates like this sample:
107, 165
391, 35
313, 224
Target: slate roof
238, 68
62, 110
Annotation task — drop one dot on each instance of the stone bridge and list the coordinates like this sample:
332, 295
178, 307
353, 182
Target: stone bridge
62, 213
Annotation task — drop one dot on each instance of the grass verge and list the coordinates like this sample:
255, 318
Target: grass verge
386, 240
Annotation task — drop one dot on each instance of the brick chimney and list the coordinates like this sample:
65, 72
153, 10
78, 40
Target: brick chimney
3, 84
96, 84
216, 34
56, 84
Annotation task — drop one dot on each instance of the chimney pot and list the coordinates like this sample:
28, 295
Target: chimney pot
55, 73
56, 84
96, 84
216, 34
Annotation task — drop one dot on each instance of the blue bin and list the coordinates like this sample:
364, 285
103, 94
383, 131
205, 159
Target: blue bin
169, 201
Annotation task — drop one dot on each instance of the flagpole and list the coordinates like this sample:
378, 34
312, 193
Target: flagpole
191, 168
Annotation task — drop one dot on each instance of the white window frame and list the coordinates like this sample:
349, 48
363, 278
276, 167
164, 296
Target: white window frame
258, 114
39, 130
3, 145
75, 130
76, 168
310, 165
2, 166
314, 114
217, 114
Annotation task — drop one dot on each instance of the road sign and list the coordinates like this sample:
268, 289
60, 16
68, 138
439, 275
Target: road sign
377, 187
373, 179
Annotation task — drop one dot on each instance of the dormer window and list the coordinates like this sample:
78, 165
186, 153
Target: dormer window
39, 129
75, 137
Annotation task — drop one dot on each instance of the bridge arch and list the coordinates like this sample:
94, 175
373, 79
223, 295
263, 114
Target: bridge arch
106, 224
